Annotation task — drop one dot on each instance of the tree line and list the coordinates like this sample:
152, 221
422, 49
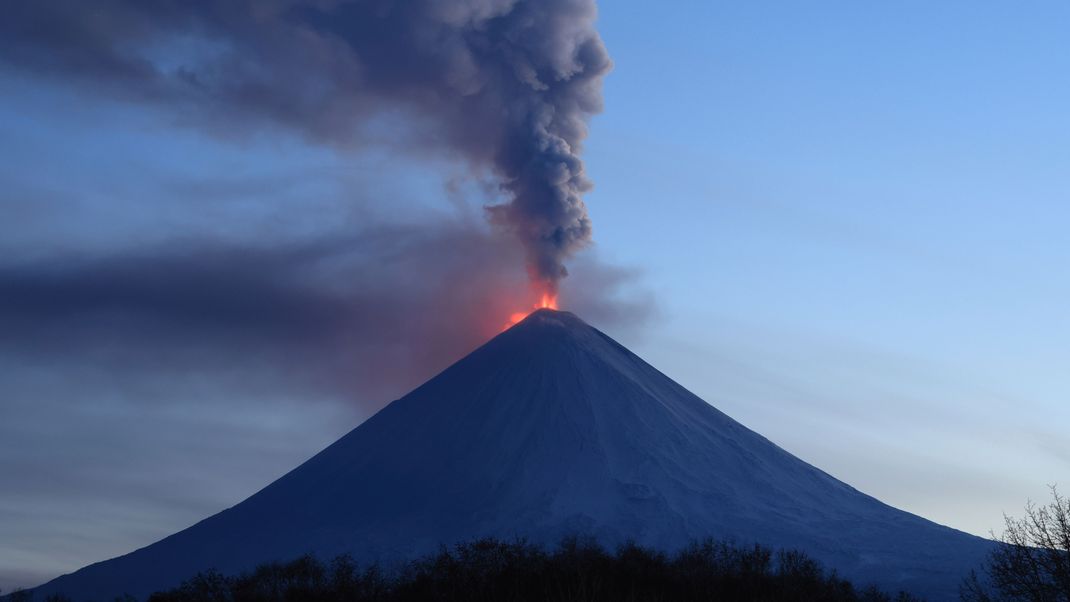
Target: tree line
577, 570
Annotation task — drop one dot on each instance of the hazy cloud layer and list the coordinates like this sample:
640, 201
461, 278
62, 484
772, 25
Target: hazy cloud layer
362, 316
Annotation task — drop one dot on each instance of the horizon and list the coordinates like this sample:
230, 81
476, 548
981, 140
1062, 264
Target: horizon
841, 226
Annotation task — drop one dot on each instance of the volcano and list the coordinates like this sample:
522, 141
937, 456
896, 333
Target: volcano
549, 429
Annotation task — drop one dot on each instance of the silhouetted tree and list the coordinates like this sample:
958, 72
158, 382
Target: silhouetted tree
1031, 562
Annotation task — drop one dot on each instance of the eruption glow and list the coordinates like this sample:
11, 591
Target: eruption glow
547, 301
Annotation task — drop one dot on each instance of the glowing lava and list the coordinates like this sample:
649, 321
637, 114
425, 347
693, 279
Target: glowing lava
547, 301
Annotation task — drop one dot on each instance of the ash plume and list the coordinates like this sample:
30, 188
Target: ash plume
508, 85
338, 317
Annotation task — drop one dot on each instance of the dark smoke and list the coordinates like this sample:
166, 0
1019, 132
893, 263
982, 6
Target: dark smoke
362, 317
507, 84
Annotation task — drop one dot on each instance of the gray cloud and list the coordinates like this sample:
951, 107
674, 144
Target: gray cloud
366, 315
508, 84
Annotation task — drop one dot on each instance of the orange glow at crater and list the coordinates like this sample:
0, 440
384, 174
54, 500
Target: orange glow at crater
547, 301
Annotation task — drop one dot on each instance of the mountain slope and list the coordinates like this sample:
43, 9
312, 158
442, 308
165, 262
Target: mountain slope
549, 429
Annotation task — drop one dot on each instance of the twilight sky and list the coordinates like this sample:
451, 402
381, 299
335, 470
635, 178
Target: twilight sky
844, 226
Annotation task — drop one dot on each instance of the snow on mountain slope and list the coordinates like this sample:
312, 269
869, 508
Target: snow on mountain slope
551, 428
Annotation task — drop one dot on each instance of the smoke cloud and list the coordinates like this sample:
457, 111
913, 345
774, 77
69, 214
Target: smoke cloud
508, 85
361, 317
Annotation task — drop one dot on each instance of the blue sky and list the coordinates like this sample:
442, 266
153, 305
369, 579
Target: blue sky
843, 224
854, 218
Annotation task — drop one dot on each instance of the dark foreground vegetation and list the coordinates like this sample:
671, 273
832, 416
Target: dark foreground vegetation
494, 571
489, 570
